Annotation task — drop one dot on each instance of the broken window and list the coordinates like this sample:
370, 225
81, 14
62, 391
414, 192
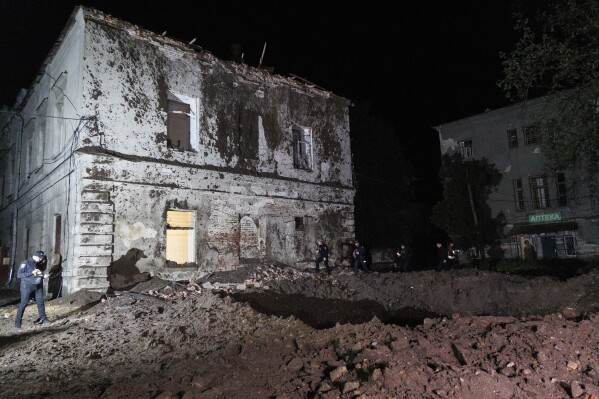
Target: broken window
180, 236
466, 148
512, 138
562, 195
539, 188
532, 134
299, 223
302, 148
182, 130
519, 195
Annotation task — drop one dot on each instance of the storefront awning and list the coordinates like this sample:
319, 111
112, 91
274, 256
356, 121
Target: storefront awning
538, 228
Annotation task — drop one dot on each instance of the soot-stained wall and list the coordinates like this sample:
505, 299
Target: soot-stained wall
250, 203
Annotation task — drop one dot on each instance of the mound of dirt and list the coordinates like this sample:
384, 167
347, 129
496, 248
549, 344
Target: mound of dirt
186, 340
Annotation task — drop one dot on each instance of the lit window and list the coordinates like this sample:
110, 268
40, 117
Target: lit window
466, 148
532, 134
562, 190
512, 138
539, 189
519, 195
302, 148
182, 130
180, 236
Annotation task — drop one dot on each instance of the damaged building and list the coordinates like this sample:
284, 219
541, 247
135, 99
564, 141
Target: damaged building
553, 210
132, 151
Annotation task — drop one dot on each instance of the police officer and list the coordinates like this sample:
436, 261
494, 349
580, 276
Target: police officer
360, 258
322, 254
406, 254
31, 273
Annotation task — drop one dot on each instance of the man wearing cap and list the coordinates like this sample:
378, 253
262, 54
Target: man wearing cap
31, 273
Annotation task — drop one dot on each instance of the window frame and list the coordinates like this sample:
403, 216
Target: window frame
562, 188
512, 138
191, 237
540, 201
466, 148
193, 104
302, 147
570, 250
532, 134
519, 194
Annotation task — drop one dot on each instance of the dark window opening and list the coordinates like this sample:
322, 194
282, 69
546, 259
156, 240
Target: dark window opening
570, 245
466, 148
512, 138
57, 233
299, 223
178, 126
302, 148
532, 134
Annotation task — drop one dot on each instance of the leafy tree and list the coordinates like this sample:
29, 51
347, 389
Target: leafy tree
558, 56
463, 212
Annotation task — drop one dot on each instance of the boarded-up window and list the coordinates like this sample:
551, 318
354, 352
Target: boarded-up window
302, 148
178, 123
180, 236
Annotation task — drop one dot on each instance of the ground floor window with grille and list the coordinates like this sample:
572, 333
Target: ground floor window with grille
539, 189
180, 236
570, 244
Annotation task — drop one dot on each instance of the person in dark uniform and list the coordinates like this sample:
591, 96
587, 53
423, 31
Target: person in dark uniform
322, 254
31, 273
360, 258
452, 256
442, 257
406, 255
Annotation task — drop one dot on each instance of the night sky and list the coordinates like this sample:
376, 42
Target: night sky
418, 64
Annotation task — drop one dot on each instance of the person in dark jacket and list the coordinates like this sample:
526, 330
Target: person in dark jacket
442, 257
452, 256
322, 254
360, 258
405, 254
31, 273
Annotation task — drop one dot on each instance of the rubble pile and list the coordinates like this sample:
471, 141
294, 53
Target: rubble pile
179, 340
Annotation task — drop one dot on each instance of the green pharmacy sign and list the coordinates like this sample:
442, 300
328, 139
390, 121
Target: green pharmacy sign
545, 217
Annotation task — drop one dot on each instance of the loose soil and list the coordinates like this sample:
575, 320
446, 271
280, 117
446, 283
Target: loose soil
278, 332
